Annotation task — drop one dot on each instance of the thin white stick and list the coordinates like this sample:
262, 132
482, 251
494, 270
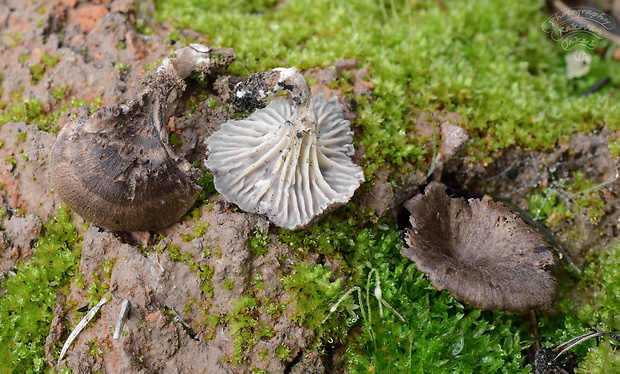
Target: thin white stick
122, 317
178, 318
157, 260
91, 313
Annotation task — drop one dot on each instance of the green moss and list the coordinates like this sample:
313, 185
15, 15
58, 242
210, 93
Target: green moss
16, 38
21, 137
242, 323
566, 198
149, 67
545, 206
228, 284
59, 92
329, 236
274, 309
594, 305
205, 272
97, 287
49, 60
207, 185
601, 281
587, 196
174, 139
283, 352
601, 360
175, 253
26, 310
258, 241
37, 71
314, 294
30, 111
122, 67
439, 334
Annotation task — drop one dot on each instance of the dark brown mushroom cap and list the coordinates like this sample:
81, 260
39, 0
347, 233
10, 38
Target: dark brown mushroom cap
480, 251
116, 168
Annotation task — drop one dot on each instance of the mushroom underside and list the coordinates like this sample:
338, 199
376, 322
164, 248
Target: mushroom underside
265, 165
480, 251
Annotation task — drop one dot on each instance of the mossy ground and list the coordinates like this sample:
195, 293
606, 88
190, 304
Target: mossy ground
487, 60
490, 62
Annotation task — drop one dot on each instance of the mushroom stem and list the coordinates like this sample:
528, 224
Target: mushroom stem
269, 85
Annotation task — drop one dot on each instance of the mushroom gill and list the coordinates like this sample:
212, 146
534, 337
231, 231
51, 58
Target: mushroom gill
290, 160
480, 251
116, 169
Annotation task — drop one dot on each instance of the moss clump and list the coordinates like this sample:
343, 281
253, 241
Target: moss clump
27, 308
594, 306
601, 280
30, 111
329, 236
242, 323
438, 334
545, 206
175, 253
257, 243
566, 198
207, 185
601, 360
38, 70
314, 295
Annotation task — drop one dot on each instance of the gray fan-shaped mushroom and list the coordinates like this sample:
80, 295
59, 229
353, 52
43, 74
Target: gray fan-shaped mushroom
116, 168
290, 161
480, 251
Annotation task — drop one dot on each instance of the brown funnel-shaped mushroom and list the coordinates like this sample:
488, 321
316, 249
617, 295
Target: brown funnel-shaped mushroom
481, 251
116, 168
290, 161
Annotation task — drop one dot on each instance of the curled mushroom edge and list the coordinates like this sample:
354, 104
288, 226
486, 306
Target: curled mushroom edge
116, 169
481, 251
289, 160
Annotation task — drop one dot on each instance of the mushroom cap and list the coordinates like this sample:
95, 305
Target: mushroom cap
480, 251
116, 168
292, 174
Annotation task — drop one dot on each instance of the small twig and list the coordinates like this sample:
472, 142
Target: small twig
91, 313
157, 260
393, 310
597, 86
179, 319
440, 5
434, 162
122, 317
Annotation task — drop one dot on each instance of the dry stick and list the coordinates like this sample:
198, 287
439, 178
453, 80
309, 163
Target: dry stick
122, 317
434, 162
440, 5
91, 313
179, 319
